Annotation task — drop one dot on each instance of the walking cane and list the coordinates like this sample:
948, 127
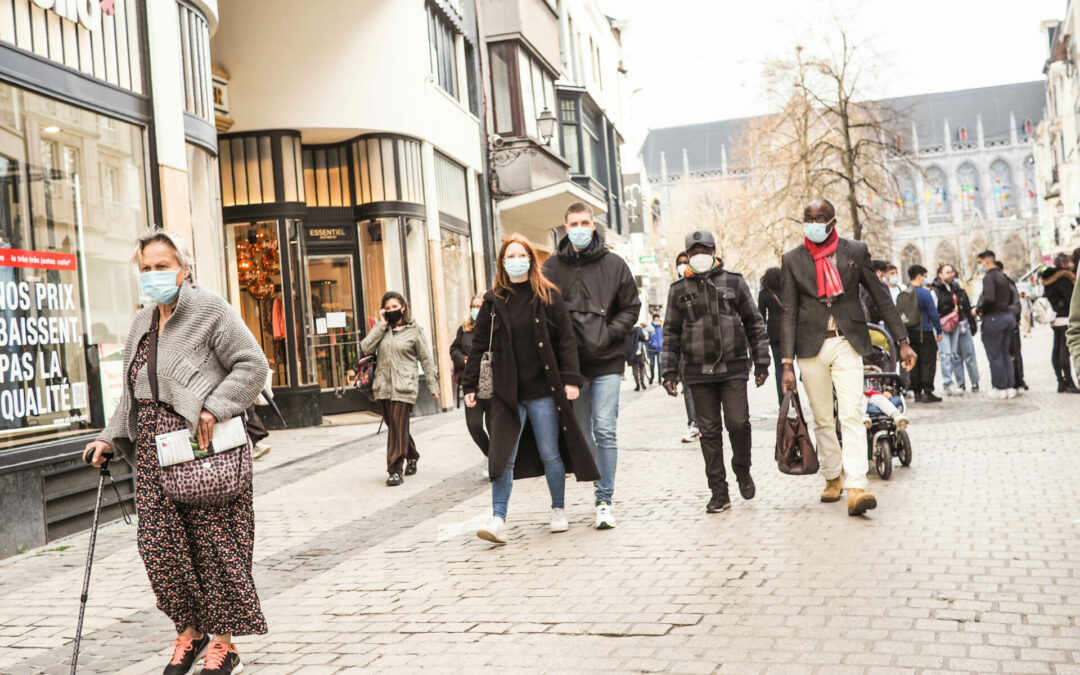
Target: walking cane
90, 551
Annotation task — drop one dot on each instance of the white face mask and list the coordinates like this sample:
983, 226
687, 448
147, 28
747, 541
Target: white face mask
702, 262
681, 269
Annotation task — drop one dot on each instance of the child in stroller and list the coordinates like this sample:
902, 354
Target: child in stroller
885, 421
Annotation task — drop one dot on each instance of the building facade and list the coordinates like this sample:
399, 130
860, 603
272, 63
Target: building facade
352, 166
966, 182
1057, 138
556, 89
91, 155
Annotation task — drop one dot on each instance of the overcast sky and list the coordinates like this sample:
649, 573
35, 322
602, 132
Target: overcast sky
700, 60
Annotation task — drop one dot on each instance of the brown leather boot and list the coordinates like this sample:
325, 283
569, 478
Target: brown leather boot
859, 502
833, 488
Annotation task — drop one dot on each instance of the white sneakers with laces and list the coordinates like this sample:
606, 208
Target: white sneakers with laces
559, 523
1011, 393
605, 519
692, 434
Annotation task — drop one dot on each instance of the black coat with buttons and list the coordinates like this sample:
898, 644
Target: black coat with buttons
557, 350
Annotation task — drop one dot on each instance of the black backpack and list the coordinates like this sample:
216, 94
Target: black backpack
907, 303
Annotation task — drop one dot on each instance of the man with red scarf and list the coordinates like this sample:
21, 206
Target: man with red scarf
823, 325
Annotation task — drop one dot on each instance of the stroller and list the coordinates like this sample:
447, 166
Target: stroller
884, 441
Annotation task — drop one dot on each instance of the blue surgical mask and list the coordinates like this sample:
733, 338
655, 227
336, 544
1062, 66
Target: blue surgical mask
894, 280
579, 236
516, 267
474, 312
159, 286
816, 232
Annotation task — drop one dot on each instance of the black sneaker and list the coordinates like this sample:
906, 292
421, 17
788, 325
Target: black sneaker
974, 388
186, 651
719, 502
222, 659
394, 479
410, 467
746, 486
929, 397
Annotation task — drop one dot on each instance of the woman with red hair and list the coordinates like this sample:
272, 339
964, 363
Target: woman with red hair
525, 324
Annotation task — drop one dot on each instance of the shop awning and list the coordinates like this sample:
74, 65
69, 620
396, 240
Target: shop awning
535, 213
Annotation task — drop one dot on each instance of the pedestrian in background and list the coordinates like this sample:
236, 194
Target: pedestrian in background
1015, 351
653, 347
892, 279
1072, 331
602, 297
399, 344
459, 353
712, 324
823, 326
198, 558
950, 297
870, 308
1059, 282
682, 265
535, 376
771, 312
998, 323
635, 355
924, 332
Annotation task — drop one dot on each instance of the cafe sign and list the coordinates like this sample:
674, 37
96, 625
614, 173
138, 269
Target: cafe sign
86, 12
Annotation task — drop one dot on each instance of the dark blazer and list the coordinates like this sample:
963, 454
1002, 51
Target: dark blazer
768, 303
806, 317
557, 351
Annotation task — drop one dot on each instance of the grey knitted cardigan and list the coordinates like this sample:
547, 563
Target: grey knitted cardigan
207, 360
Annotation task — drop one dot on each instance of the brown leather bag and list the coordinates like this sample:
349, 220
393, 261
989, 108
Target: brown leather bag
795, 454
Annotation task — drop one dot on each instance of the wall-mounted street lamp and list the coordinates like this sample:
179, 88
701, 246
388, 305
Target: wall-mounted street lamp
545, 124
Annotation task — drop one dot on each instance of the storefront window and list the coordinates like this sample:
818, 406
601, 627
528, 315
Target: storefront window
333, 315
381, 262
457, 284
253, 257
72, 202
207, 233
419, 292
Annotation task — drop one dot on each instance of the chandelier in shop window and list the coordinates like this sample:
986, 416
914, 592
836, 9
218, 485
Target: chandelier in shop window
256, 262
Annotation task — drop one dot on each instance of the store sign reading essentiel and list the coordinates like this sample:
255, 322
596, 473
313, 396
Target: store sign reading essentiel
86, 12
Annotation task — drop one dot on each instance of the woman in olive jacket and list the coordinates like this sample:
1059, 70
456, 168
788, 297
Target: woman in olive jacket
399, 344
536, 375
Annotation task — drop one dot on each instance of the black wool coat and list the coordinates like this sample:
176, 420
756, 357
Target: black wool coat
557, 351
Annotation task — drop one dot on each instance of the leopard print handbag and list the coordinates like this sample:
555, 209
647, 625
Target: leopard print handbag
204, 482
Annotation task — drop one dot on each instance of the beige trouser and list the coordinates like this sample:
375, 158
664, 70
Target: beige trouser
838, 366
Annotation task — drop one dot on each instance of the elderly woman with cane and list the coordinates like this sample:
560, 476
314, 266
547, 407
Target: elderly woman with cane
190, 363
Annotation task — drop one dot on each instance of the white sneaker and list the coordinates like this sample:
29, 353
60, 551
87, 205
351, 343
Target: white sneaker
605, 520
494, 531
261, 449
900, 421
954, 390
1011, 393
558, 521
996, 393
692, 434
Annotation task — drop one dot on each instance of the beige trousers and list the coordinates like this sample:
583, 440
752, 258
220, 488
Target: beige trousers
838, 366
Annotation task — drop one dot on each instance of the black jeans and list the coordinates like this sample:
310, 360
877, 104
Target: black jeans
1059, 357
925, 345
688, 398
778, 369
1017, 356
997, 338
726, 398
474, 421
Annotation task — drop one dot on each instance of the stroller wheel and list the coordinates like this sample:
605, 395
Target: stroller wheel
903, 448
883, 456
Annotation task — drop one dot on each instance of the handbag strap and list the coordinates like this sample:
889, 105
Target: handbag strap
491, 330
151, 356
789, 398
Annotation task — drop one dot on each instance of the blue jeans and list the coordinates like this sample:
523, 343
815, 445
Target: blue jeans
544, 419
966, 350
654, 363
597, 411
949, 355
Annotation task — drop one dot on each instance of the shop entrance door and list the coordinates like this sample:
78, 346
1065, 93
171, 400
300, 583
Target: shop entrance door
333, 332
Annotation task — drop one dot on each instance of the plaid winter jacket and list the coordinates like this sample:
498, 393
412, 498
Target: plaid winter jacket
713, 324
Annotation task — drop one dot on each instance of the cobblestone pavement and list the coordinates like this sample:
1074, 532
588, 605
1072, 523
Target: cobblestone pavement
970, 564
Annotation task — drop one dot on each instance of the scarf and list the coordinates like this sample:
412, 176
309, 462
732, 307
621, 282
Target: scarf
829, 284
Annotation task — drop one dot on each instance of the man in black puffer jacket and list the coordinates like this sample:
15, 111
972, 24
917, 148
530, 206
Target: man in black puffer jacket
1059, 282
602, 297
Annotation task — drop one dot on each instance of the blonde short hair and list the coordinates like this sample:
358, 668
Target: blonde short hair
170, 239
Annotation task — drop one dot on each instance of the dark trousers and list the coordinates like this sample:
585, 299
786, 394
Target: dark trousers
997, 332
474, 421
1017, 357
639, 372
688, 399
726, 398
654, 364
778, 369
399, 443
1059, 357
925, 345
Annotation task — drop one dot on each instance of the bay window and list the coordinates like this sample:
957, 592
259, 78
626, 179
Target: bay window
522, 88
